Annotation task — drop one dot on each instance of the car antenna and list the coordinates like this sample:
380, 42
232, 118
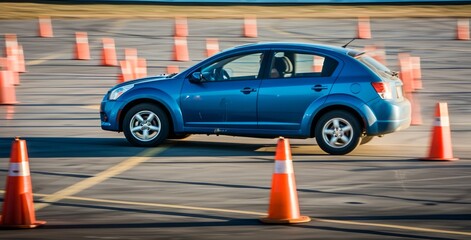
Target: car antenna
344, 46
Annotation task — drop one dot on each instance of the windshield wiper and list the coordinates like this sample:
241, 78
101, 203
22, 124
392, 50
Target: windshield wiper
171, 75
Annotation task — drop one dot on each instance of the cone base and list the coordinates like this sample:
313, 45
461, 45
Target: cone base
439, 159
34, 225
301, 219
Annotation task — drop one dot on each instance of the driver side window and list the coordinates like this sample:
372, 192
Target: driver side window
240, 67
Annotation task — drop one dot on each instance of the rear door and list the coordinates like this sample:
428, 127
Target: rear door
292, 86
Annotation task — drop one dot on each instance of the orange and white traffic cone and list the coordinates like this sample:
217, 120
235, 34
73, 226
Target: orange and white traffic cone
181, 27
7, 88
405, 73
130, 55
416, 73
462, 29
212, 46
11, 41
180, 50
172, 69
250, 26
363, 29
82, 49
440, 143
45, 27
18, 206
317, 64
141, 69
109, 53
284, 207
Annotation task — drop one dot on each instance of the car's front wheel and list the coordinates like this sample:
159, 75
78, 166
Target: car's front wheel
145, 125
338, 132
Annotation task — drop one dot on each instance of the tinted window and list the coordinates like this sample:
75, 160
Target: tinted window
292, 64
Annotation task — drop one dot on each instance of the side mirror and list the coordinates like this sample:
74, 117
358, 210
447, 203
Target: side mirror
196, 77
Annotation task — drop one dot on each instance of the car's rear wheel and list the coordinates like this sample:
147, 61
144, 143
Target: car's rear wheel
145, 125
338, 132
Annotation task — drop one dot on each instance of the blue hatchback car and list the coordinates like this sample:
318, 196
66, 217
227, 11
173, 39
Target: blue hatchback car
339, 96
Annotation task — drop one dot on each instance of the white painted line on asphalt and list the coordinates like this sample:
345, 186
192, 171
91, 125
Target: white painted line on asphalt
100, 177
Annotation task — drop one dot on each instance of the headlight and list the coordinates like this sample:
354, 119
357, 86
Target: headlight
115, 94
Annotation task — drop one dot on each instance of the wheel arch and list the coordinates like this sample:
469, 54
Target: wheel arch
138, 101
333, 107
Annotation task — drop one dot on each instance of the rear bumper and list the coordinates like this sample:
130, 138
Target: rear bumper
390, 117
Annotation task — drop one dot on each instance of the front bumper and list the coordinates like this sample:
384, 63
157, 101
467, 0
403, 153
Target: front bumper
109, 114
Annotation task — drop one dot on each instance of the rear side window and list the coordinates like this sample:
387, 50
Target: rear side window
287, 64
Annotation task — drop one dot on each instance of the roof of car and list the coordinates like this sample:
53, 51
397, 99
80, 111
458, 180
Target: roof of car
293, 45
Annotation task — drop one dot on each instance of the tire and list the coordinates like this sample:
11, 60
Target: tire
366, 139
141, 132
338, 132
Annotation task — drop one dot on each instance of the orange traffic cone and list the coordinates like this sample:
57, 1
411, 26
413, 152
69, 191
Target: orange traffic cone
10, 41
284, 207
172, 69
18, 206
130, 55
250, 26
141, 69
212, 46
440, 144
82, 49
45, 27
462, 29
109, 53
363, 29
317, 64
405, 73
7, 88
126, 71
416, 73
180, 50
181, 27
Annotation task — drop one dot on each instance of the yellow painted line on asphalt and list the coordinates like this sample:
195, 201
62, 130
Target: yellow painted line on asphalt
417, 229
173, 206
100, 177
44, 59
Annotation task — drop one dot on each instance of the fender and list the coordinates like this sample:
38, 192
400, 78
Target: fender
156, 95
348, 101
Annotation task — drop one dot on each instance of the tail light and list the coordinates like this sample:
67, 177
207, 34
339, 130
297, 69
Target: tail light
382, 89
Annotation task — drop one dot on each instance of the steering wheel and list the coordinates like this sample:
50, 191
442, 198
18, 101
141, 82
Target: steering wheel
221, 74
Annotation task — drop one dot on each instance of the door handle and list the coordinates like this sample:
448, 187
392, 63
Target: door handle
318, 88
248, 90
